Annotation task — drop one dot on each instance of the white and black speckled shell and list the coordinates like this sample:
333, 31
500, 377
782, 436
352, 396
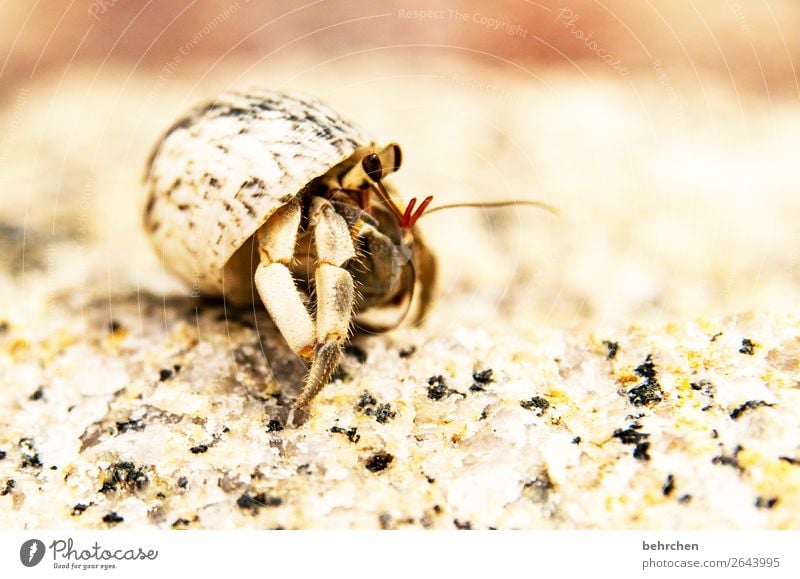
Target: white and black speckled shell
220, 172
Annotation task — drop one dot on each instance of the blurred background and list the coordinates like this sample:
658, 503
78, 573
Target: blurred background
666, 132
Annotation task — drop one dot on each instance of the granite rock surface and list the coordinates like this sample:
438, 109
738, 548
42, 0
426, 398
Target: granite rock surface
632, 364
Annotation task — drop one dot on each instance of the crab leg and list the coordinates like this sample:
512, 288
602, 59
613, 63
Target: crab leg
275, 284
335, 294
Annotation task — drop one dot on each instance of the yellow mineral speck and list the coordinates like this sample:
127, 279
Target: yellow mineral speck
613, 502
777, 380
557, 396
709, 327
117, 337
683, 385
748, 458
520, 357
696, 360
19, 348
654, 499
685, 423
782, 476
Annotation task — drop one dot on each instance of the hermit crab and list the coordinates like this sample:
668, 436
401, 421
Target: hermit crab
273, 195
276, 192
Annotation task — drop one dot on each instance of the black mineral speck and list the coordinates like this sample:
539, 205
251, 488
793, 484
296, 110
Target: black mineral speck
748, 347
484, 376
199, 449
613, 348
78, 509
669, 485
631, 435
749, 405
462, 526
180, 523
30, 458
164, 374
684, 499
38, 395
640, 452
648, 392
124, 475
10, 484
351, 433
114, 326
406, 352
183, 482
112, 518
2, 454
126, 425
368, 404
356, 352
248, 502
763, 503
379, 461
481, 379
253, 503
384, 413
790, 460
703, 385
274, 425
647, 369
538, 404
436, 388
364, 401
576, 440
729, 460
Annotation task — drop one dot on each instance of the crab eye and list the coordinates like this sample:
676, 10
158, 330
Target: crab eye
373, 167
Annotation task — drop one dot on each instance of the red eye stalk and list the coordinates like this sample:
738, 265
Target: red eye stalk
410, 216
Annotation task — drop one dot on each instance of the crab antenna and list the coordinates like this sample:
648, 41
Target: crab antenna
493, 205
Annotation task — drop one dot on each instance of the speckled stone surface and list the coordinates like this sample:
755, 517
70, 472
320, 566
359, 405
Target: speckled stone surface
576, 373
162, 421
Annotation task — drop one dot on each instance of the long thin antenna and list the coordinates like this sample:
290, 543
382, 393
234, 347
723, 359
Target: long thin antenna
494, 205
